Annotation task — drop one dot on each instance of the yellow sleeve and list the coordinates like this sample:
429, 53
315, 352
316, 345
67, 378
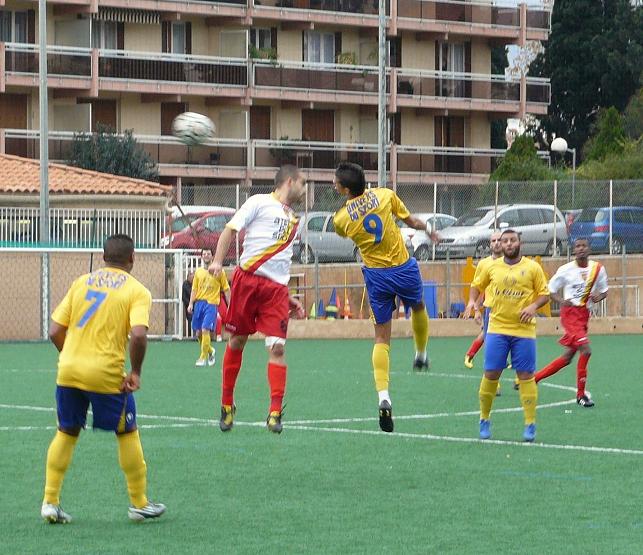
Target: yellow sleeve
481, 280
139, 312
337, 222
62, 314
540, 283
399, 209
223, 279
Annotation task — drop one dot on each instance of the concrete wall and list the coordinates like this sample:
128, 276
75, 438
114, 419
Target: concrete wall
144, 118
480, 56
69, 116
417, 129
144, 38
417, 54
289, 45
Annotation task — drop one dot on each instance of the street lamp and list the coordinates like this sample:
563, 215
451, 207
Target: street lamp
560, 145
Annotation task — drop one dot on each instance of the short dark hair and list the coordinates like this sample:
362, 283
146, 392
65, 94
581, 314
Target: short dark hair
118, 248
581, 239
507, 231
285, 173
211, 251
351, 176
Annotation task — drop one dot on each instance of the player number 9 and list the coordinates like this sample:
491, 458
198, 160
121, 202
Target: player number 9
373, 225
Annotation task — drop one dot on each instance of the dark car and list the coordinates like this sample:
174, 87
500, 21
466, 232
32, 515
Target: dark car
627, 228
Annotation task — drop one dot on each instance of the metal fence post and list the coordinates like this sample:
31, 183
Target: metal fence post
555, 243
435, 209
316, 283
624, 282
448, 282
495, 210
611, 210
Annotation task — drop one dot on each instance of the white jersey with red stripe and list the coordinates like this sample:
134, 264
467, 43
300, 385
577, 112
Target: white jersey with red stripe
579, 283
270, 229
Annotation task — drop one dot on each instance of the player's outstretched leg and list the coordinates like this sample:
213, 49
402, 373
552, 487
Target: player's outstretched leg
277, 379
486, 394
420, 327
232, 359
381, 364
582, 398
59, 457
477, 343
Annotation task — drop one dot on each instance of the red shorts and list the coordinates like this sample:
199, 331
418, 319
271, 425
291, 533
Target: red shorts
574, 320
257, 304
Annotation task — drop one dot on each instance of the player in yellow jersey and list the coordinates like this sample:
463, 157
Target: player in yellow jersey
368, 218
204, 305
519, 289
90, 328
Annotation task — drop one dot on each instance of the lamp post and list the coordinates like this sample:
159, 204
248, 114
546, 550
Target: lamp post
560, 145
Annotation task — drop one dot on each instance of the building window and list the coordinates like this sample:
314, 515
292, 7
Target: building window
177, 37
104, 34
261, 38
319, 47
13, 26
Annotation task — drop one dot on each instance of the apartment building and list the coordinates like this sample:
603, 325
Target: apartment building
283, 80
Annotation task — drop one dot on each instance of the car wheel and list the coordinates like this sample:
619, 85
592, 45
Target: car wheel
551, 252
422, 253
483, 249
617, 246
307, 256
357, 256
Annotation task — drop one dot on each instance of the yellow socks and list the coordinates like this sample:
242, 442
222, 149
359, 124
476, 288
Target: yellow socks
487, 394
381, 366
130, 457
59, 456
529, 399
206, 344
420, 327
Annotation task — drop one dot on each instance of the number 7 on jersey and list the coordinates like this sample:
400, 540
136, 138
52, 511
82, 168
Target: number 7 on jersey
97, 297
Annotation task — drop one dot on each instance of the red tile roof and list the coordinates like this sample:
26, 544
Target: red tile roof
22, 175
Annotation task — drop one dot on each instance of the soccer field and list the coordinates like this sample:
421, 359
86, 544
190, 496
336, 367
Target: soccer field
331, 482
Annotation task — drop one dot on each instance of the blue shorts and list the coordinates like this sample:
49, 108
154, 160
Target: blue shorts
498, 346
385, 284
204, 316
485, 320
114, 412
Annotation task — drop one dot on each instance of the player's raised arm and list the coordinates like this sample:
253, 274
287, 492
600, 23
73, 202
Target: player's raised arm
417, 223
223, 245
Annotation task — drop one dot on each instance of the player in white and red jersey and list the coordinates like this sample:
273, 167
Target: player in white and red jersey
260, 300
583, 282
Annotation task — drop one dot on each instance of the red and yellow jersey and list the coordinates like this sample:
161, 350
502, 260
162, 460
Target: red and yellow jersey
208, 287
98, 311
513, 287
369, 221
579, 283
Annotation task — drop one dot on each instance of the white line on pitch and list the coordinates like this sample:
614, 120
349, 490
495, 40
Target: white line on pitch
471, 440
140, 426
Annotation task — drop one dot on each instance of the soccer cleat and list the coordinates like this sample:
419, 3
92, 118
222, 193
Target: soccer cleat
386, 416
200, 362
585, 401
517, 386
530, 433
485, 429
274, 422
227, 417
212, 357
54, 514
498, 390
420, 365
468, 361
151, 510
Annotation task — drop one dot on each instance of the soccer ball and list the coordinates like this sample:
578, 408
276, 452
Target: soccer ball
192, 128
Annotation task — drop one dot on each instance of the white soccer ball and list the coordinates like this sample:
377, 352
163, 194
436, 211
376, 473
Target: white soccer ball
192, 128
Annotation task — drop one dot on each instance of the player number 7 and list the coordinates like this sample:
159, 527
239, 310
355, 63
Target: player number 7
98, 297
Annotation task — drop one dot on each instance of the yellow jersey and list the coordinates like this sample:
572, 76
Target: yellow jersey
368, 220
98, 311
513, 287
483, 264
208, 287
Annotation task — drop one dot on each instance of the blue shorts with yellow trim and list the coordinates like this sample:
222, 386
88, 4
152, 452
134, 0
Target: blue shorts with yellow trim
204, 316
385, 284
497, 348
114, 412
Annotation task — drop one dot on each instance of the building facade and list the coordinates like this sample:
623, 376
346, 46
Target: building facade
283, 80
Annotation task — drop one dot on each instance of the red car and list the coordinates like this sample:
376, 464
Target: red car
204, 233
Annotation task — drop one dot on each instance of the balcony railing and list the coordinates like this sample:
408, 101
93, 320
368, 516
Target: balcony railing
318, 77
62, 61
360, 7
494, 88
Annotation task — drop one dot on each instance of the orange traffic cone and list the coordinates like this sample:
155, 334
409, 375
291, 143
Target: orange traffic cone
346, 313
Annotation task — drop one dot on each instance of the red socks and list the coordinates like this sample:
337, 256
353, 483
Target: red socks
581, 374
553, 367
277, 382
231, 366
475, 347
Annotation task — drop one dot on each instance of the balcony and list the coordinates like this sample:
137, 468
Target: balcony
309, 82
363, 13
470, 91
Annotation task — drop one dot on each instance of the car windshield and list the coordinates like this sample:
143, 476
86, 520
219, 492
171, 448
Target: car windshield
589, 215
479, 216
180, 223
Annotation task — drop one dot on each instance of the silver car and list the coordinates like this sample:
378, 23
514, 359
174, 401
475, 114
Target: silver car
469, 235
316, 237
417, 242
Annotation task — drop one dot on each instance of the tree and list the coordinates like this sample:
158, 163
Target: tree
608, 137
633, 116
594, 59
521, 163
105, 151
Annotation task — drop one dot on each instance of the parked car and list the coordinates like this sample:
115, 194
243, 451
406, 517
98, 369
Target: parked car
627, 228
469, 235
204, 233
179, 218
417, 242
316, 236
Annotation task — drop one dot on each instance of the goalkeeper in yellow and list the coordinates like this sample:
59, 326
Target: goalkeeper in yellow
519, 289
90, 328
368, 218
